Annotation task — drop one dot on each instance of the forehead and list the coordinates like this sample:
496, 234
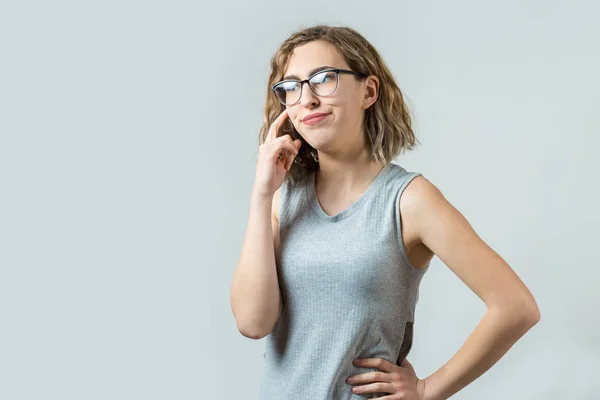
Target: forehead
312, 55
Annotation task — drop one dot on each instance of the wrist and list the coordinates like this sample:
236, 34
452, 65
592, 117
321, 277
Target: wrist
427, 390
260, 195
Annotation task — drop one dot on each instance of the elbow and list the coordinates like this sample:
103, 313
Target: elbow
520, 315
534, 315
252, 332
254, 324
529, 316
530, 312
254, 327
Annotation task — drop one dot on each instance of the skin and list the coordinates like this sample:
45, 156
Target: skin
431, 227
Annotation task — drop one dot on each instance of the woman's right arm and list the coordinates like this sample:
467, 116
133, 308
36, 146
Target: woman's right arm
255, 297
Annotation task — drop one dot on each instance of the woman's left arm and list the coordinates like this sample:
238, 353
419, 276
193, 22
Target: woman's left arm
511, 308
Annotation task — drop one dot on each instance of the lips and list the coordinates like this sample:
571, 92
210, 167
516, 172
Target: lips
315, 115
315, 121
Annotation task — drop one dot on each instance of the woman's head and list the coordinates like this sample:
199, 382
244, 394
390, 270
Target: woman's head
366, 110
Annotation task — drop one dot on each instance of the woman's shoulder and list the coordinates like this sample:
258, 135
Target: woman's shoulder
420, 192
288, 194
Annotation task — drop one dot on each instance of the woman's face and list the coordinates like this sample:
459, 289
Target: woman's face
341, 129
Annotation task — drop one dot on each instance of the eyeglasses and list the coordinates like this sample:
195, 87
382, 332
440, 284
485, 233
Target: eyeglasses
322, 83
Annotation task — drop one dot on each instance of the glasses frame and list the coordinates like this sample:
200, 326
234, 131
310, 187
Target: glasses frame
337, 71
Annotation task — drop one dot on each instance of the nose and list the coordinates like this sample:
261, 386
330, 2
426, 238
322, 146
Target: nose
308, 98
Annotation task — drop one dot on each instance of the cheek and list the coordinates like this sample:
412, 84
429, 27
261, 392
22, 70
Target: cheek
345, 103
350, 99
292, 117
350, 109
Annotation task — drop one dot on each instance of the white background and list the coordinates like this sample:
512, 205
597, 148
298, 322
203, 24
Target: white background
128, 137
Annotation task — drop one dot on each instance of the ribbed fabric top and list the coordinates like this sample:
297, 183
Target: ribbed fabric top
348, 290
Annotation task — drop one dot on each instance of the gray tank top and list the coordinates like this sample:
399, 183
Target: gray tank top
348, 290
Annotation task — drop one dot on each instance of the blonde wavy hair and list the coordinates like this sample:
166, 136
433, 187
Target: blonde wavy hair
387, 122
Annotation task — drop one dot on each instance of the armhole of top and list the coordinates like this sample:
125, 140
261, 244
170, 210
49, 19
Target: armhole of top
407, 342
407, 179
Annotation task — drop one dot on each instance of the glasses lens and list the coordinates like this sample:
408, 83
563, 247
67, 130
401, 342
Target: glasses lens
288, 92
324, 83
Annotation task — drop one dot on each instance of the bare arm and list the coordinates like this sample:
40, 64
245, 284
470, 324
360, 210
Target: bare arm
511, 308
255, 295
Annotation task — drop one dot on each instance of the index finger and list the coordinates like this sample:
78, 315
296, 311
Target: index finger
276, 125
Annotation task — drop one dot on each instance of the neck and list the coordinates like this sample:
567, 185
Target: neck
346, 175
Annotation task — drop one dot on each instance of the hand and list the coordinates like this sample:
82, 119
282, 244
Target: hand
275, 157
400, 381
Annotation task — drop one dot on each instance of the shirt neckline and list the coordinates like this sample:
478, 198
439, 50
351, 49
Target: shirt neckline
316, 206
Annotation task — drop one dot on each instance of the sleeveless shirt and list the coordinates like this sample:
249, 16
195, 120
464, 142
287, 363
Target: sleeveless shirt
348, 290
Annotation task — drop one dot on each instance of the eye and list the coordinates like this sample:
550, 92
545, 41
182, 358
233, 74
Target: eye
288, 86
323, 77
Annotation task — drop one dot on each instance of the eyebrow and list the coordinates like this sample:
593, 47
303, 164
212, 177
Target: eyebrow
311, 72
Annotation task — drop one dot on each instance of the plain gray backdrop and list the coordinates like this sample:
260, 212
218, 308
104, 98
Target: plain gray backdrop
129, 133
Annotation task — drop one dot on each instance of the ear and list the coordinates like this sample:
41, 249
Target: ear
371, 93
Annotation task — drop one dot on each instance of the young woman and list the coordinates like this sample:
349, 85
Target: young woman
339, 237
